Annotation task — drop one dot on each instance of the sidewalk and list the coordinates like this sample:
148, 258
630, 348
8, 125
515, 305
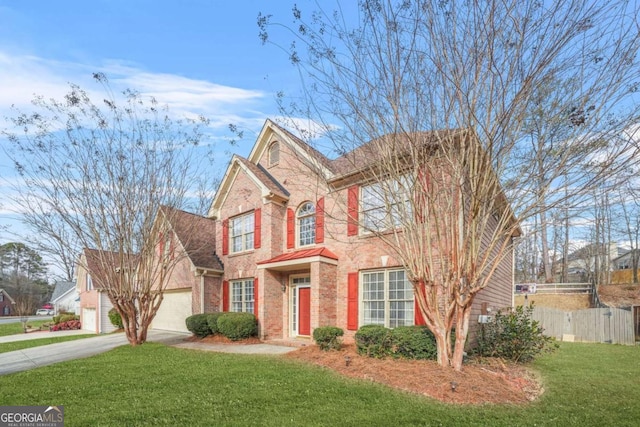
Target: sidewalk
41, 334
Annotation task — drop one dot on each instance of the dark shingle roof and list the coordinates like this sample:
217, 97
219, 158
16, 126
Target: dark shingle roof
61, 289
197, 235
265, 178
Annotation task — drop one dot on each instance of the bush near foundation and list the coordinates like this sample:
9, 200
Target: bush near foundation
515, 336
328, 337
212, 321
413, 342
115, 318
373, 341
198, 325
237, 326
406, 342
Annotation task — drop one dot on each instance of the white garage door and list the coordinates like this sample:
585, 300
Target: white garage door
89, 319
175, 308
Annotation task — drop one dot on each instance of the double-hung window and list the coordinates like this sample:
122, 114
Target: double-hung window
242, 298
386, 204
241, 229
387, 299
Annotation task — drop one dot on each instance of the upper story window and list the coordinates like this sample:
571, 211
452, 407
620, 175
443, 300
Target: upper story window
241, 229
274, 153
306, 224
89, 283
387, 299
1, 296
386, 205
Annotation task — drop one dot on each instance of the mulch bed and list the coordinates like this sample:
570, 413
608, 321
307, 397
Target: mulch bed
481, 381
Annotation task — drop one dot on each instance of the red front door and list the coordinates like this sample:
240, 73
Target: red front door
304, 311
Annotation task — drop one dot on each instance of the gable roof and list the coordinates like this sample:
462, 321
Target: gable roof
61, 289
197, 235
2, 291
96, 263
270, 188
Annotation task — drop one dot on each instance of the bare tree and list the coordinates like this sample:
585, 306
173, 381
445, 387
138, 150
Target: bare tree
102, 171
436, 96
629, 222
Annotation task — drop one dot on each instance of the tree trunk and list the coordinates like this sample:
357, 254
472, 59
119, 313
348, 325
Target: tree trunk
462, 328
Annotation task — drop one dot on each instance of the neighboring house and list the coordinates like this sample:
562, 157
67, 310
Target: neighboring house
94, 301
6, 304
625, 261
195, 280
292, 257
586, 260
64, 297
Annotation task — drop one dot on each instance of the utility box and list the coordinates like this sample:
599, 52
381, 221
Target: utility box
484, 318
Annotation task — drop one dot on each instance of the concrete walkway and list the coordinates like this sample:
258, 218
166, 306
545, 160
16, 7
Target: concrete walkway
41, 334
29, 358
237, 348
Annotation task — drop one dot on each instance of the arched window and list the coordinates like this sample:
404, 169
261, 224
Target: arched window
274, 153
306, 224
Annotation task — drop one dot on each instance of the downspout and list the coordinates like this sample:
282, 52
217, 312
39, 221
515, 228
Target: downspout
98, 312
202, 292
513, 273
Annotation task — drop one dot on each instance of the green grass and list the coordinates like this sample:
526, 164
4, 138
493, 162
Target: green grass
21, 345
585, 385
16, 328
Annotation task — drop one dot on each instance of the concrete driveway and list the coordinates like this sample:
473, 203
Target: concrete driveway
21, 360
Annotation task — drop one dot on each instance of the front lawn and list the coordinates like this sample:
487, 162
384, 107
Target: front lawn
16, 328
585, 384
21, 345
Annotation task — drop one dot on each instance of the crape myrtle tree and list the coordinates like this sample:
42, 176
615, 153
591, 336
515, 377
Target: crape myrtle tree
432, 102
96, 175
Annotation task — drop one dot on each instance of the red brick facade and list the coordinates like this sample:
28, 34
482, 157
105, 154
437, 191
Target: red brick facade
285, 186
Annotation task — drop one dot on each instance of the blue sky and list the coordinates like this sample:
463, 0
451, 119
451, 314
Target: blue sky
197, 56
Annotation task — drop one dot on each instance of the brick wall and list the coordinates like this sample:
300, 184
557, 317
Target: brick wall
329, 282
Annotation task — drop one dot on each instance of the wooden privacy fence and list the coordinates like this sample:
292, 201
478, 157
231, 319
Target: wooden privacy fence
605, 325
622, 276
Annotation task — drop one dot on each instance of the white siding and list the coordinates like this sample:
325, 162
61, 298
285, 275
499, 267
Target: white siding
105, 305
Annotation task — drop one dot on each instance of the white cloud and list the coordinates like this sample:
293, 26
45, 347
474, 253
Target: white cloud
23, 76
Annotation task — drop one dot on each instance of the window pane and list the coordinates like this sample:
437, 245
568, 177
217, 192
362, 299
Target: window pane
387, 299
307, 224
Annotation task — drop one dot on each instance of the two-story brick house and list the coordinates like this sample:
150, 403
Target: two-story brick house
294, 253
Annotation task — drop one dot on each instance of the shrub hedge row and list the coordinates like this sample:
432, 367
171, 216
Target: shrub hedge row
407, 342
234, 326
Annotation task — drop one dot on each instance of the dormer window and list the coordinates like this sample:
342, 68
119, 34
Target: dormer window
274, 154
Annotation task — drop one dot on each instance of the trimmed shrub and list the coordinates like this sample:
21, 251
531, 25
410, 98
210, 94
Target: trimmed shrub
212, 321
198, 325
66, 326
115, 318
328, 337
65, 318
237, 326
514, 336
373, 341
413, 342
